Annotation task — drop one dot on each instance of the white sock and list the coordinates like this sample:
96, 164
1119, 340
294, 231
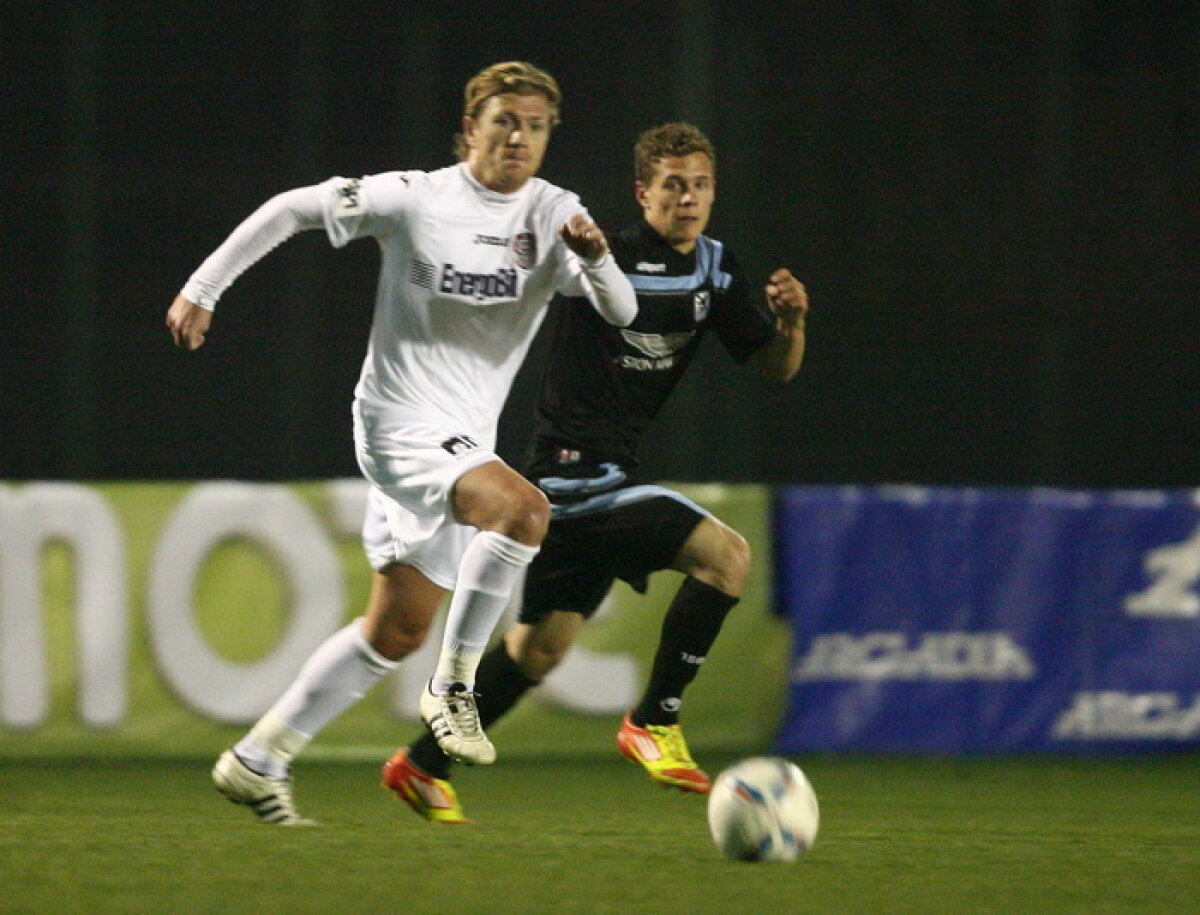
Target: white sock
335, 676
489, 569
270, 746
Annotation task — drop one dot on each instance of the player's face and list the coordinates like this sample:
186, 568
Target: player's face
678, 200
507, 141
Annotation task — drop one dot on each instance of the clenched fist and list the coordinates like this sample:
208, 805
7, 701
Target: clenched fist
188, 323
787, 297
584, 237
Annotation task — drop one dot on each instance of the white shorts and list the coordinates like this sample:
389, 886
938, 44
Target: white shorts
412, 469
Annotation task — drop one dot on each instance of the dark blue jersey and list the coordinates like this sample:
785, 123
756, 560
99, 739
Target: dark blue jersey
603, 385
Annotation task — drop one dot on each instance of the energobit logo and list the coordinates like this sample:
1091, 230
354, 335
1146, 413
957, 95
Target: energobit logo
499, 285
930, 656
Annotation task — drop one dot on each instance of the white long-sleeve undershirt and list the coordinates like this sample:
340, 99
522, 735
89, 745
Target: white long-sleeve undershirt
612, 296
298, 210
261, 232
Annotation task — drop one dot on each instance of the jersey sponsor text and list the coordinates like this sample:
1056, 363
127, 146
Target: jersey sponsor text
499, 285
639, 364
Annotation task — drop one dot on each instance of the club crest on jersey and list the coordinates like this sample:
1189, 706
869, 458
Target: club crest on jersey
701, 302
524, 249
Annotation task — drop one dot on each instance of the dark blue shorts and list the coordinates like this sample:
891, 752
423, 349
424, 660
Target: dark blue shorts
625, 533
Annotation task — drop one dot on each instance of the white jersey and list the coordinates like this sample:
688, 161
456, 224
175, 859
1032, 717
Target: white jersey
466, 276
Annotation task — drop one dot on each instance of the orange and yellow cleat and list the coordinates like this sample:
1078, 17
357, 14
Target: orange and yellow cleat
432, 798
663, 752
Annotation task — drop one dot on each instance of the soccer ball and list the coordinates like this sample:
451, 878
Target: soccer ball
763, 809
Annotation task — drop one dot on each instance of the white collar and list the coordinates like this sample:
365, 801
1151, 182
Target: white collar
488, 194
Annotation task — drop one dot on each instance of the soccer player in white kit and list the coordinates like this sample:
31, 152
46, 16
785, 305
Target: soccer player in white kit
471, 255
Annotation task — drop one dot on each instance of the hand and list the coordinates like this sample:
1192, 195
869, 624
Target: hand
188, 323
584, 237
787, 298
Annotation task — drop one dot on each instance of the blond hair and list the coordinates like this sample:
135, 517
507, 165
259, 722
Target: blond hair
516, 76
666, 141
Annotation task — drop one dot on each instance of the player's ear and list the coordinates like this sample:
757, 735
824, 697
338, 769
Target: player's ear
639, 192
468, 130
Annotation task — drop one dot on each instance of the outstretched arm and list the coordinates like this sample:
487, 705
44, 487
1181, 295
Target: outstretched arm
780, 359
613, 297
277, 220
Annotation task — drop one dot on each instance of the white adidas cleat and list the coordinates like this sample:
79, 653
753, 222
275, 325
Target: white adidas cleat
454, 721
269, 798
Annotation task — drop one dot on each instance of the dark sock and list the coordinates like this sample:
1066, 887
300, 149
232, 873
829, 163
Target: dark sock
690, 627
499, 683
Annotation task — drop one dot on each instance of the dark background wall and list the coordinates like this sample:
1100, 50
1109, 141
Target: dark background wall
993, 203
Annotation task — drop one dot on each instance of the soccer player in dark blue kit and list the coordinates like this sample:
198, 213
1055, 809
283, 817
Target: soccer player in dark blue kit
602, 387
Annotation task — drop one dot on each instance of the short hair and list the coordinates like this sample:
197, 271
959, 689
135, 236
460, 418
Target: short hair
666, 140
516, 76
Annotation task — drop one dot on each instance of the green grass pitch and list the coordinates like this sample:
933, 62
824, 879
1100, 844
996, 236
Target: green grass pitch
594, 835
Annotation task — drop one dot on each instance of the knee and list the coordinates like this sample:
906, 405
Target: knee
538, 650
538, 661
726, 569
523, 514
396, 638
496, 498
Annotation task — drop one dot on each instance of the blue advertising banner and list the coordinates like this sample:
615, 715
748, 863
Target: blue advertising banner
989, 620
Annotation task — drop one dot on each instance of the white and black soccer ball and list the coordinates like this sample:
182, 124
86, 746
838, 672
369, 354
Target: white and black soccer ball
763, 809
